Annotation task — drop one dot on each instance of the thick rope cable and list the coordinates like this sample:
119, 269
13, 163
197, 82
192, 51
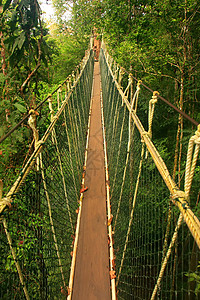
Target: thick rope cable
191, 162
59, 92
39, 144
152, 103
51, 220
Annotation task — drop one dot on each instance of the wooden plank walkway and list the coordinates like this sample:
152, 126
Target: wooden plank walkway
91, 280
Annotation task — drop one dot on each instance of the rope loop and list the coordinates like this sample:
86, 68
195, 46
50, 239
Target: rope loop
192, 156
115, 73
126, 92
4, 204
39, 143
197, 135
32, 123
138, 85
121, 74
152, 103
55, 118
130, 78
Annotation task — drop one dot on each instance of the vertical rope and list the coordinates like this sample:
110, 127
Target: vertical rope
132, 213
51, 220
63, 179
133, 102
191, 163
59, 91
152, 103
70, 153
174, 238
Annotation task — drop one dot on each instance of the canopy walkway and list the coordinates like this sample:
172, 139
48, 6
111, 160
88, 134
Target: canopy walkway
95, 212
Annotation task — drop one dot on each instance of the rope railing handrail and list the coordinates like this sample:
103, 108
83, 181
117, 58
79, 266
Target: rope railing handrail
186, 116
133, 234
189, 217
47, 189
39, 147
39, 105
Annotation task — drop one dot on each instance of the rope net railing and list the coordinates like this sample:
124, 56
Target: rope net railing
39, 213
156, 235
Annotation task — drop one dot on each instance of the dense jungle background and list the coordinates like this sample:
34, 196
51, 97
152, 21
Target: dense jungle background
157, 41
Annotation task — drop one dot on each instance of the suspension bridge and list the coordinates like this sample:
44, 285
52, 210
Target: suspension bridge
94, 212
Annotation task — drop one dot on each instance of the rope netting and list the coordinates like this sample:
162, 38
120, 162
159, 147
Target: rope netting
156, 236
39, 213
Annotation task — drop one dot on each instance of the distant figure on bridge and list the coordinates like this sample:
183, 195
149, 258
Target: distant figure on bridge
96, 45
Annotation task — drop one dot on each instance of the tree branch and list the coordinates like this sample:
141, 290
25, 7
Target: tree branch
34, 71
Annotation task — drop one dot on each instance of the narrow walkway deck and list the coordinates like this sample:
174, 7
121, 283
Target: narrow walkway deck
91, 281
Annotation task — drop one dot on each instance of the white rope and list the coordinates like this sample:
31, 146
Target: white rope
126, 92
59, 92
32, 124
121, 73
192, 157
152, 103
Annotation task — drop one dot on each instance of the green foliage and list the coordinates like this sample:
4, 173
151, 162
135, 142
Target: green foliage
195, 277
68, 54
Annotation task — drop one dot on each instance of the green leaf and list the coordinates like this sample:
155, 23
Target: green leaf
22, 38
20, 107
15, 45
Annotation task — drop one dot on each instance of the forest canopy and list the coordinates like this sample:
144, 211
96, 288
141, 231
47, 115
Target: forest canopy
157, 41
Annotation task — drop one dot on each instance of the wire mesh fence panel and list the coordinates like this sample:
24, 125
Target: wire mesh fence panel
38, 231
156, 256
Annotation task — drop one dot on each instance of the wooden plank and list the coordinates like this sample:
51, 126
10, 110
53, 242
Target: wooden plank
91, 280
